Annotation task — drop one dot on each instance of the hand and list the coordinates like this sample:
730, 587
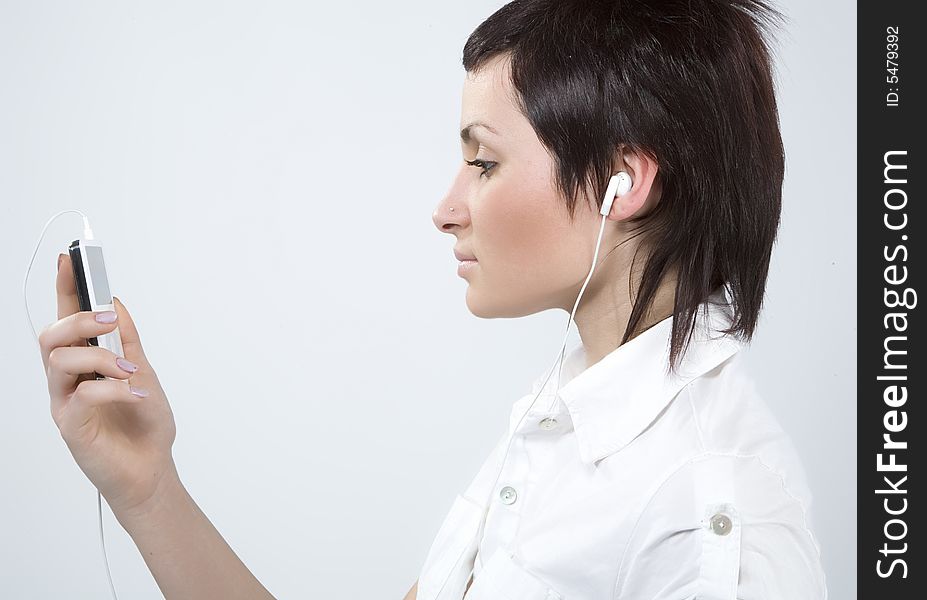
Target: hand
122, 442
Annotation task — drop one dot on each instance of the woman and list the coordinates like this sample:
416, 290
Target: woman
648, 467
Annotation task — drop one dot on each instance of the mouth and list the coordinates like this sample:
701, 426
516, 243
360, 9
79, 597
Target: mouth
465, 265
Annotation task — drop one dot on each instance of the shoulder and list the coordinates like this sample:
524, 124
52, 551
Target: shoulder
723, 526
733, 519
731, 418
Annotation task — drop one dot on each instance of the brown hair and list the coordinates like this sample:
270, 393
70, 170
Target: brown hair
689, 83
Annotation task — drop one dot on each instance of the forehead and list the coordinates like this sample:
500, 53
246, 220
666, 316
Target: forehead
488, 96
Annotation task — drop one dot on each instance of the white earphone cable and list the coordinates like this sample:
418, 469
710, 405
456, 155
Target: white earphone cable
610, 194
88, 235
559, 362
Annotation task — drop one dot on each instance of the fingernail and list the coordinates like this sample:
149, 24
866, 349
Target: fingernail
140, 392
107, 316
60, 258
126, 365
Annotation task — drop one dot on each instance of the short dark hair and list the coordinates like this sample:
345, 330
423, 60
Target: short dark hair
687, 82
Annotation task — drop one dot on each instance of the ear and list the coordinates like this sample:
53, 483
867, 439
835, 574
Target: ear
645, 190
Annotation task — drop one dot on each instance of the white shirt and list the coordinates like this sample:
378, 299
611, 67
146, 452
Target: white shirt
641, 486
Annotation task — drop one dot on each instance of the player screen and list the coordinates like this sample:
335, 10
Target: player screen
98, 275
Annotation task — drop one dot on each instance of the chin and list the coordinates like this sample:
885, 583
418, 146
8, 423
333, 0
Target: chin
487, 308
475, 306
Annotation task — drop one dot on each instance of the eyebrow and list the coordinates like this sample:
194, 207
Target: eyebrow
465, 132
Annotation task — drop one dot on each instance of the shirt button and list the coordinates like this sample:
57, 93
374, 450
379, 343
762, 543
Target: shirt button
547, 424
507, 494
721, 524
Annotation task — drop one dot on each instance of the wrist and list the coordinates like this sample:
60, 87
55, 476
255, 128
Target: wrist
169, 496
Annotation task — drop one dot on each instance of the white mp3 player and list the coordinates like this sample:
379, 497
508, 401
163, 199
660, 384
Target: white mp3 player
93, 291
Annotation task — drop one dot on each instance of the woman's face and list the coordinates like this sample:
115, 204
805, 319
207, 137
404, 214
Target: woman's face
530, 257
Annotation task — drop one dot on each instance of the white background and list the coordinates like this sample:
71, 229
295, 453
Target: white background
263, 177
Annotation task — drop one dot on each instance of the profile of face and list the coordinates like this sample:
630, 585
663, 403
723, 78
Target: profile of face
510, 215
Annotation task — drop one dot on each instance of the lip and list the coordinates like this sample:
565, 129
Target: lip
463, 256
464, 266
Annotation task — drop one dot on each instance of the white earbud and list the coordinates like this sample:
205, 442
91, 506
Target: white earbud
619, 185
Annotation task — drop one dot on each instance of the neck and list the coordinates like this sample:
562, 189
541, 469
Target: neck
606, 305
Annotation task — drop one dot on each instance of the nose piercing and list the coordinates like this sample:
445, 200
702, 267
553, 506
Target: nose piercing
452, 209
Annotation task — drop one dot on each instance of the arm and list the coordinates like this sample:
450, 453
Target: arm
413, 591
122, 441
184, 552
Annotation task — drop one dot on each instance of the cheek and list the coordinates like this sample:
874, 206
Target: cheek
517, 229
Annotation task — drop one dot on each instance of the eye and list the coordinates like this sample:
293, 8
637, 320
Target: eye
486, 165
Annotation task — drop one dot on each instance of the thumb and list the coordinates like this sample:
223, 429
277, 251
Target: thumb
131, 344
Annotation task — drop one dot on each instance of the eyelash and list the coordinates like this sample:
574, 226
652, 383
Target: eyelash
486, 165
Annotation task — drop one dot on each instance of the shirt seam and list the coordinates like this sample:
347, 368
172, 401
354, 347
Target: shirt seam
698, 428
624, 553
619, 583
801, 505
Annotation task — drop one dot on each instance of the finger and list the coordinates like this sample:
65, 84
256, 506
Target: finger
73, 330
66, 363
86, 398
131, 343
66, 288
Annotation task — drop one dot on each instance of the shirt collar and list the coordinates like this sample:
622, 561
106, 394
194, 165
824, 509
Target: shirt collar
614, 400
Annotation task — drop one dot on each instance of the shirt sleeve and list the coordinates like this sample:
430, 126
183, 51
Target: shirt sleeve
722, 527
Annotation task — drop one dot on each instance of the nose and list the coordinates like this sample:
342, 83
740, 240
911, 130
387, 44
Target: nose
451, 212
